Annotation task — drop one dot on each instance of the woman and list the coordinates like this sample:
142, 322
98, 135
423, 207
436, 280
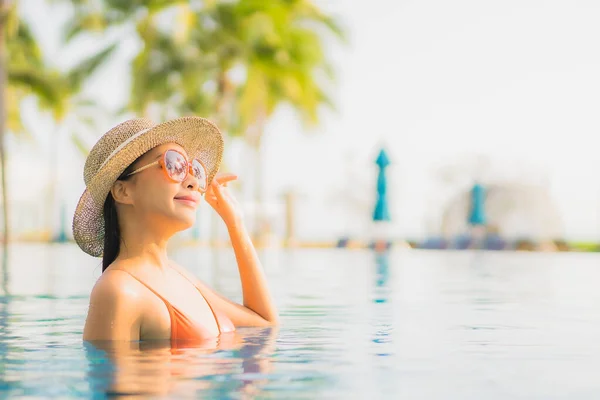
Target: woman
143, 185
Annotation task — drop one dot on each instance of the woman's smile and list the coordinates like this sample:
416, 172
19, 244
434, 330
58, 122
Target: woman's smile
188, 200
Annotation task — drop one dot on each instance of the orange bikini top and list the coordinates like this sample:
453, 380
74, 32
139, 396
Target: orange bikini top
183, 328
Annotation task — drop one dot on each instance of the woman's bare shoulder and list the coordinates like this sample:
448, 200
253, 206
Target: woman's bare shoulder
115, 309
116, 284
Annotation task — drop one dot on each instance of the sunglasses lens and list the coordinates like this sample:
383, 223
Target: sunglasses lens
176, 165
200, 174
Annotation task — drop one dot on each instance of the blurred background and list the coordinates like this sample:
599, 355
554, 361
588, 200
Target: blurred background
425, 124
432, 124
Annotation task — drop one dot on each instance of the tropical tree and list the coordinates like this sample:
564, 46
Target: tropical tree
285, 64
4, 17
233, 61
159, 59
22, 74
80, 114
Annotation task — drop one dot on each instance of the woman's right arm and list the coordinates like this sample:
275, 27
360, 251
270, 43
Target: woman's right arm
115, 310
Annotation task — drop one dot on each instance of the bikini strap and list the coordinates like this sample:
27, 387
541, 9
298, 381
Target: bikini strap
146, 285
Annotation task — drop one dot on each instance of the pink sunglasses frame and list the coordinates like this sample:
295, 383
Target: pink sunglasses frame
190, 170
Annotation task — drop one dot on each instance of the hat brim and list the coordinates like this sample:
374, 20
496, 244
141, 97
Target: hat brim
199, 137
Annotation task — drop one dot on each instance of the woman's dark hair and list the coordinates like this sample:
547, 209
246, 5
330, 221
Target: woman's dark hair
112, 231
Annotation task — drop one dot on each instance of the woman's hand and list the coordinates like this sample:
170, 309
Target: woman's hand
222, 201
258, 308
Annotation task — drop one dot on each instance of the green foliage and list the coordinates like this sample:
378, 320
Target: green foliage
585, 246
193, 66
28, 76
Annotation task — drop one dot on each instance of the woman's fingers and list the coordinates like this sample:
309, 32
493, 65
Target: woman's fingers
215, 194
217, 189
224, 178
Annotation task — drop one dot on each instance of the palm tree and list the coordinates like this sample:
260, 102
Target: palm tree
26, 75
275, 45
22, 74
283, 67
4, 14
80, 114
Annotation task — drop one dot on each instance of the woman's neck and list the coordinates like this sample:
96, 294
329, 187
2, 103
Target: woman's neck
145, 246
151, 254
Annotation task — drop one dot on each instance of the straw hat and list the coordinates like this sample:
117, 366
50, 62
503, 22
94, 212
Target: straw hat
120, 147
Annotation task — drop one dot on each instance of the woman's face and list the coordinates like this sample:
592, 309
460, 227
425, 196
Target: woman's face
159, 199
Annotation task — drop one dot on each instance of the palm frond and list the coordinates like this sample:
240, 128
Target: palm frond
78, 74
94, 22
42, 85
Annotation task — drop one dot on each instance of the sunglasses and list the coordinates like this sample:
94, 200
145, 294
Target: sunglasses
176, 167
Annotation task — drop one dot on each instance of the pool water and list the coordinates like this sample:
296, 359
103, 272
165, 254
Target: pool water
406, 324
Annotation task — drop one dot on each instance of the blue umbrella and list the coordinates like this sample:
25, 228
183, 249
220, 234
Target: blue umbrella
381, 212
477, 212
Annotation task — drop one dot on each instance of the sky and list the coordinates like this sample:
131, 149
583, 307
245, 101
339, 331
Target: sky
436, 83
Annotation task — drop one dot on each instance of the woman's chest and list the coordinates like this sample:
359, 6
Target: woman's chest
177, 302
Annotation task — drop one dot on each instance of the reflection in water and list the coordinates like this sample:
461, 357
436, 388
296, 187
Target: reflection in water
382, 346
5, 273
4, 315
382, 310
382, 271
241, 364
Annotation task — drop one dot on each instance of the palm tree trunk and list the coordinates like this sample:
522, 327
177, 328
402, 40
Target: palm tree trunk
256, 144
223, 95
53, 181
258, 191
3, 16
289, 239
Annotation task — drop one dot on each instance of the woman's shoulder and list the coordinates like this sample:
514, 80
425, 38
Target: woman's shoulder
116, 308
116, 286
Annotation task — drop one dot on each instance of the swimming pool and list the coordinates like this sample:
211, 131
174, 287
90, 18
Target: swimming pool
410, 324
